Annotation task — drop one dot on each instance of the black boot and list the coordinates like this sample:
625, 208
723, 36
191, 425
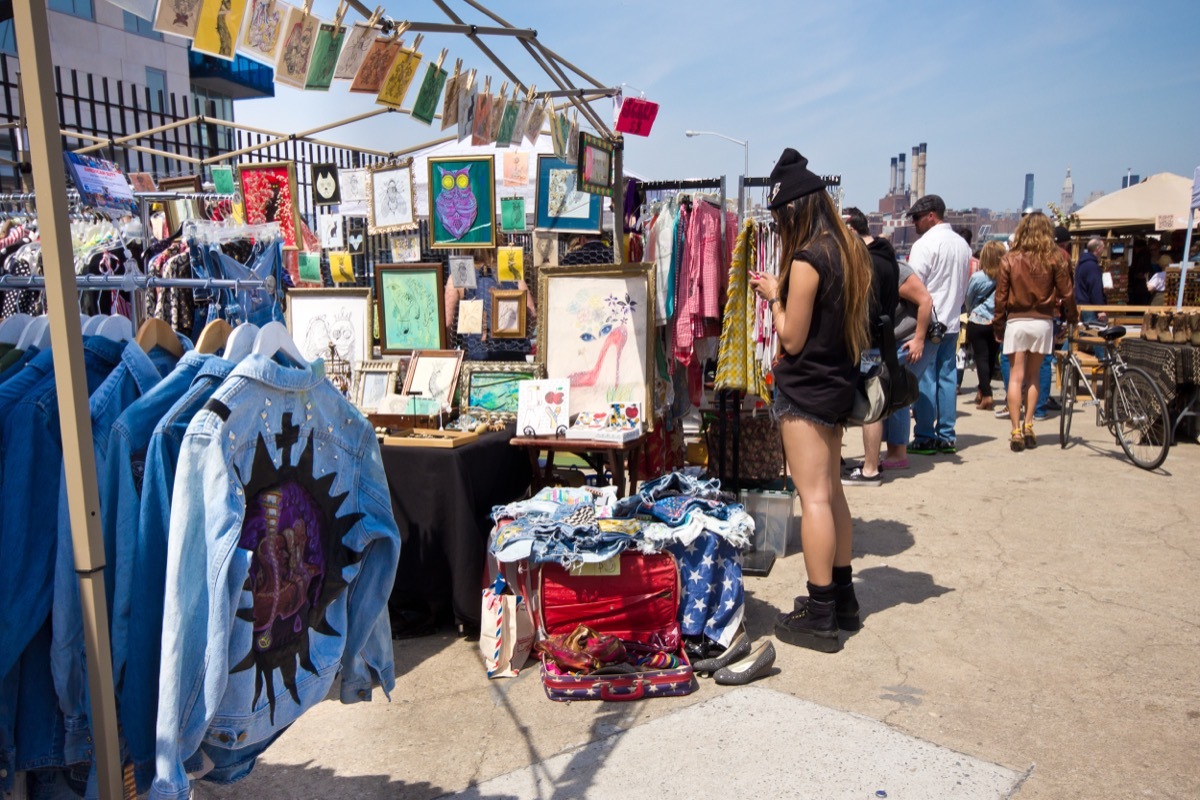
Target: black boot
815, 625
847, 607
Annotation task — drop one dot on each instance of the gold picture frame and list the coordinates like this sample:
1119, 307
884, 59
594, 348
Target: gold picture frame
490, 387
508, 313
391, 198
374, 380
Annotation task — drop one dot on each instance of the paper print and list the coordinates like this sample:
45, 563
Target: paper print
508, 123
425, 106
497, 116
512, 214
537, 118
309, 267
222, 178
354, 49
218, 27
510, 263
399, 78
470, 317
356, 234
518, 128
375, 66
450, 100
516, 169
324, 57
353, 185
178, 17
333, 231
406, 248
462, 272
326, 190
466, 111
341, 267
261, 31
483, 118
143, 182
565, 200
543, 407
299, 36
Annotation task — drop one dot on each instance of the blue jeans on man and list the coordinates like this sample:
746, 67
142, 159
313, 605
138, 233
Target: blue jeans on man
898, 427
1044, 377
935, 410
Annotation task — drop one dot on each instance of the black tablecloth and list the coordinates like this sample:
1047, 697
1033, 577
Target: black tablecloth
441, 499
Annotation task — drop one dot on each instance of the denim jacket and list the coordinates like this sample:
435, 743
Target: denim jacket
284, 528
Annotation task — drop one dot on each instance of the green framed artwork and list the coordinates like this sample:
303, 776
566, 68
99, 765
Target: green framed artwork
411, 308
462, 202
512, 215
490, 387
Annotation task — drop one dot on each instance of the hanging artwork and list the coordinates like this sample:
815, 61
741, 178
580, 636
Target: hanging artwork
261, 31
516, 169
375, 65
497, 116
299, 36
561, 206
512, 214
595, 165
319, 318
425, 106
399, 78
222, 178
510, 264
482, 120
406, 248
356, 234
218, 26
308, 266
462, 272
144, 182
462, 202
470, 317
508, 313
508, 123
341, 267
358, 41
269, 192
324, 56
326, 190
537, 118
450, 100
391, 199
352, 183
178, 17
333, 231
411, 307
431, 380
466, 109
520, 121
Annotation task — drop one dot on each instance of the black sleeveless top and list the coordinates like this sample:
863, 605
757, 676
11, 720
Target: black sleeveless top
820, 379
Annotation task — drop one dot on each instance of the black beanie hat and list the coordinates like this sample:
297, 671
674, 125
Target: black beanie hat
791, 179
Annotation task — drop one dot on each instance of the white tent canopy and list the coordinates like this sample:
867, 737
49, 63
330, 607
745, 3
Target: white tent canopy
1140, 205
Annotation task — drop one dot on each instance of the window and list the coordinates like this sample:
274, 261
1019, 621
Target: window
76, 8
8, 38
142, 27
156, 82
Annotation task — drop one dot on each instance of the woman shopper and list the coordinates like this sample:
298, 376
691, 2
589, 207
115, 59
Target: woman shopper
981, 309
1033, 279
819, 310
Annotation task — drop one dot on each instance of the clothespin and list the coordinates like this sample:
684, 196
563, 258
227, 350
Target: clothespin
503, 89
417, 41
457, 67
532, 91
442, 58
307, 10
487, 84
470, 81
373, 20
343, 7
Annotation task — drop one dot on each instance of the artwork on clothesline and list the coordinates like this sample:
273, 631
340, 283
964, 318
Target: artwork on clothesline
356, 234
508, 313
560, 131
467, 101
595, 165
560, 206
319, 318
543, 407
512, 215
426, 104
411, 307
375, 65
324, 56
333, 231
510, 264
399, 78
516, 169
462, 272
537, 118
432, 378
482, 119
391, 199
354, 49
352, 183
269, 192
493, 387
406, 248
218, 26
308, 266
497, 116
517, 131
462, 202
299, 36
341, 267
142, 182
326, 189
261, 31
508, 122
222, 178
594, 330
450, 101
470, 318
178, 17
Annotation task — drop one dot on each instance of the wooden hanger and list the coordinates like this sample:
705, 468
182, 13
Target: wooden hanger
214, 336
157, 333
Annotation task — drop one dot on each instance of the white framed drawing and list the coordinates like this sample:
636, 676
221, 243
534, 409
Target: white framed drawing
353, 183
374, 380
321, 318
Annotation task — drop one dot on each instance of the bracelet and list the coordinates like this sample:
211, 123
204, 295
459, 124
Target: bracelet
773, 301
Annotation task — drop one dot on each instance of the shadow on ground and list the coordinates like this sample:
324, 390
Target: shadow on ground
281, 780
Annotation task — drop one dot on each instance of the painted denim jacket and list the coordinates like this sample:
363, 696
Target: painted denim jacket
281, 556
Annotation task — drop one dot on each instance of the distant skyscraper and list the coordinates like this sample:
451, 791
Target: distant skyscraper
1028, 191
1067, 200
1130, 179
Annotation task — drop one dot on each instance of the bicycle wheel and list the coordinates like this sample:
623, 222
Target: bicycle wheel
1070, 390
1141, 417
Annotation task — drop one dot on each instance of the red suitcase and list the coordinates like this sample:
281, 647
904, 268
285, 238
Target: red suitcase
640, 605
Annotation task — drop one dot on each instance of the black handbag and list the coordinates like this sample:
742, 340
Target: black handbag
885, 388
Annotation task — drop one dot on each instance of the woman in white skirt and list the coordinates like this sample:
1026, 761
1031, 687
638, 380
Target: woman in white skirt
1034, 279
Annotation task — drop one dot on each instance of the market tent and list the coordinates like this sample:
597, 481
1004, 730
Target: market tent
1140, 205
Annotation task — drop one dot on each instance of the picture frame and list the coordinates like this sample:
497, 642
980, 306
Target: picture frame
181, 183
431, 381
142, 182
559, 205
596, 159
491, 387
462, 202
391, 198
317, 318
508, 313
411, 306
326, 188
600, 318
373, 380
270, 188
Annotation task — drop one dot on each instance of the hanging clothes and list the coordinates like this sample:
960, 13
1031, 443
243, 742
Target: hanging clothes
737, 362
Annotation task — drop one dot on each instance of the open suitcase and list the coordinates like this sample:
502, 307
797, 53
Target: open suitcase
639, 604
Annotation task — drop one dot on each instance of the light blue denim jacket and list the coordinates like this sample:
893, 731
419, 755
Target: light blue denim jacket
280, 560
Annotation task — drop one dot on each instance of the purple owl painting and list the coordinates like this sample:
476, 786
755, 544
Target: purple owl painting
462, 202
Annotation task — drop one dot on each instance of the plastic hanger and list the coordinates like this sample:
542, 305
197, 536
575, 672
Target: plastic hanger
154, 332
10, 329
240, 342
36, 334
214, 336
93, 324
274, 339
117, 327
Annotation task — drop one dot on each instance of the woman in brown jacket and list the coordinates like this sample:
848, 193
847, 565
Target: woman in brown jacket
1034, 278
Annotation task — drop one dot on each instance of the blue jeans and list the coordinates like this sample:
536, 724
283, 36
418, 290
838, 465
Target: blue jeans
898, 426
1044, 378
935, 411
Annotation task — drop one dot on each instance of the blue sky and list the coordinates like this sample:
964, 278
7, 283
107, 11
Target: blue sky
995, 89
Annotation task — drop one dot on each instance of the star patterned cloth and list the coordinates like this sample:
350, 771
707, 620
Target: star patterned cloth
712, 599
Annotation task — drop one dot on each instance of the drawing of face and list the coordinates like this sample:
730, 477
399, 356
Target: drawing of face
456, 206
326, 185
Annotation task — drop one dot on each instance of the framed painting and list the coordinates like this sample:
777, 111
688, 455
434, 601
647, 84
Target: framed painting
411, 306
181, 183
326, 189
462, 202
595, 330
374, 380
431, 380
561, 206
339, 318
492, 387
508, 313
269, 193
391, 198
595, 165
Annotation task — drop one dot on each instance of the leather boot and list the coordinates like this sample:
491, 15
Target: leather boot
815, 625
845, 605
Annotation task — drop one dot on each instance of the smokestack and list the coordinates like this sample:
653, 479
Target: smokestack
921, 172
900, 175
892, 185
916, 175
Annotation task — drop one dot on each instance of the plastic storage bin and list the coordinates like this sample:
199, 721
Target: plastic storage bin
776, 517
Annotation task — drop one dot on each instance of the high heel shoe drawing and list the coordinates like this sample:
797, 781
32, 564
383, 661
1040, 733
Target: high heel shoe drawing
750, 668
617, 336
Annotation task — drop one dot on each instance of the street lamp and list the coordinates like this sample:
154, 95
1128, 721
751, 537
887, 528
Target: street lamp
745, 143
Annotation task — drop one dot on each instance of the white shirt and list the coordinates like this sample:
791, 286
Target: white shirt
942, 260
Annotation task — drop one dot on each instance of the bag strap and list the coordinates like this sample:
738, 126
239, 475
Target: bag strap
888, 342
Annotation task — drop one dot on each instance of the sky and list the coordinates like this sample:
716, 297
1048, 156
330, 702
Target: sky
996, 90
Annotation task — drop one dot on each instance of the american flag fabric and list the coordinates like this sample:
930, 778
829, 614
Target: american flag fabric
712, 598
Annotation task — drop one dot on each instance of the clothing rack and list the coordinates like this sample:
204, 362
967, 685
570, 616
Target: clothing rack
131, 282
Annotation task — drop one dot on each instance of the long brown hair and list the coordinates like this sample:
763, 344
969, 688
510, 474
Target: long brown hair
989, 259
1035, 235
813, 220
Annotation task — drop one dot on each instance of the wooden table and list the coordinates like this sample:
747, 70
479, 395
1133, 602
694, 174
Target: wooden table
616, 455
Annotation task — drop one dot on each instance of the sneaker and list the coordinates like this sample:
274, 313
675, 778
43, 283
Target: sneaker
890, 463
845, 605
1001, 412
946, 448
855, 477
1039, 416
923, 447
814, 626
1053, 405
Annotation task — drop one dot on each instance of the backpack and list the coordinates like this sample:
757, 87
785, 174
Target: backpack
884, 388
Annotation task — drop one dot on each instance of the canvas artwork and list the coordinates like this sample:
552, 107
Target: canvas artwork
217, 27
411, 311
269, 193
470, 318
432, 377
354, 49
462, 204
493, 387
543, 407
332, 231
425, 106
326, 190
324, 57
406, 248
320, 318
561, 206
178, 17
261, 30
373, 69
352, 183
466, 110
399, 79
299, 36
462, 272
391, 199
450, 101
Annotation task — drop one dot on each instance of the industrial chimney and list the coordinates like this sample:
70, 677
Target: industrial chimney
892, 185
900, 185
921, 172
914, 194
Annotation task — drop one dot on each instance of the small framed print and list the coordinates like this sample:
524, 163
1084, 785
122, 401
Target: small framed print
595, 165
390, 198
326, 189
508, 313
142, 182
373, 380
181, 183
269, 192
406, 248
432, 379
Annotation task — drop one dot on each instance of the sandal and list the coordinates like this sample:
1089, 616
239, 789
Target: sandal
1017, 440
1030, 439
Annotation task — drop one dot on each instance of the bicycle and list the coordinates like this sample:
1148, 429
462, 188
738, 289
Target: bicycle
1133, 407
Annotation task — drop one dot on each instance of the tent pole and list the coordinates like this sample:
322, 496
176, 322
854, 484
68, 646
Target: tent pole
1187, 251
79, 461
618, 199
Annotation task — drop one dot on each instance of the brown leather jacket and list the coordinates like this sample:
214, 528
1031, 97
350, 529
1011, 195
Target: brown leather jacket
1025, 290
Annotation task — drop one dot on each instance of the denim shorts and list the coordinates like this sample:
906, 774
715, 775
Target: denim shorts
784, 408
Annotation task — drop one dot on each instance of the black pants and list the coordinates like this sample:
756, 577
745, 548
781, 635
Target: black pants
987, 354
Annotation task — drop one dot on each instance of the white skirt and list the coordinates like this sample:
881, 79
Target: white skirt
1029, 335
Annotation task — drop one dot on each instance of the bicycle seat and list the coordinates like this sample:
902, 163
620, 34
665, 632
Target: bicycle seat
1113, 333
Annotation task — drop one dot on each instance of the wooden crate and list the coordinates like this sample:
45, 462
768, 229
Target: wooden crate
429, 437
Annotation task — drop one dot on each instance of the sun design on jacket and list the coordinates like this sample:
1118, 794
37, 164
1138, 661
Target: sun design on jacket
292, 530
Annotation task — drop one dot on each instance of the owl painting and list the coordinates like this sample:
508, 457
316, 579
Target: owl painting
456, 205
